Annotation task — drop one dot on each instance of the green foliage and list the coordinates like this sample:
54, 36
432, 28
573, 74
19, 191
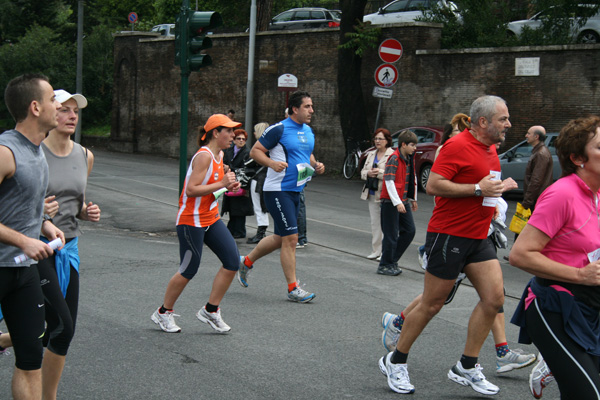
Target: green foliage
98, 75
557, 22
37, 51
98, 131
17, 16
483, 23
364, 37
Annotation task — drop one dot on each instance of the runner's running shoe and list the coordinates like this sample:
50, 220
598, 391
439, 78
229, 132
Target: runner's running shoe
213, 319
472, 377
300, 295
243, 273
514, 359
391, 333
397, 375
166, 321
540, 377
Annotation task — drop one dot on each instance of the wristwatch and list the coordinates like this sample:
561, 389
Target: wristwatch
47, 218
477, 190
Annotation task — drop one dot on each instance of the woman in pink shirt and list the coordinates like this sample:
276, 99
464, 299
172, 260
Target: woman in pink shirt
560, 307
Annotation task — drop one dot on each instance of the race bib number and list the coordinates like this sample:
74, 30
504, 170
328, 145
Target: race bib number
492, 201
305, 173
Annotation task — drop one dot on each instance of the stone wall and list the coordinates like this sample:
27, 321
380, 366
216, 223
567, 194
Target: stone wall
433, 85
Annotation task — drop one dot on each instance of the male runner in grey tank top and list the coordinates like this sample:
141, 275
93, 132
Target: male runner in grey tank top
23, 180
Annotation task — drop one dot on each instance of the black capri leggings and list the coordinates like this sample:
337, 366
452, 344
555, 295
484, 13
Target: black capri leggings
575, 370
23, 308
61, 311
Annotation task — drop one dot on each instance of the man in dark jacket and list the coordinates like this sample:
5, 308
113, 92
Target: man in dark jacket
538, 174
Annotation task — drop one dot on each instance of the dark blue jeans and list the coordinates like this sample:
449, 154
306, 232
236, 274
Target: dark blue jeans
398, 232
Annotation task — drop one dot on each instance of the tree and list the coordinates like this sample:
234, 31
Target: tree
263, 14
353, 120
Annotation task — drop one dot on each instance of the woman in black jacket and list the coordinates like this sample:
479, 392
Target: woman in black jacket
237, 204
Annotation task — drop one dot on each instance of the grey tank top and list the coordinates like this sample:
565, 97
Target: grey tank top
22, 196
68, 179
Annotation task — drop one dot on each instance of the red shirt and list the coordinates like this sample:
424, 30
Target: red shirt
464, 159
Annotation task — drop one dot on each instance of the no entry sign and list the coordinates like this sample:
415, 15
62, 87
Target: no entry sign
390, 50
386, 75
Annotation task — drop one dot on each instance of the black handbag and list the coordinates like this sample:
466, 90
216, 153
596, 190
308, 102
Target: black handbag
372, 183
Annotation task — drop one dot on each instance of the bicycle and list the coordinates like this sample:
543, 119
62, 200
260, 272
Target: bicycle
353, 155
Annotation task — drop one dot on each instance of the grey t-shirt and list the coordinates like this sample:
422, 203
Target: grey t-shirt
22, 196
68, 179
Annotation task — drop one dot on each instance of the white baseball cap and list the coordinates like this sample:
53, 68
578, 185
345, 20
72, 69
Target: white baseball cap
63, 95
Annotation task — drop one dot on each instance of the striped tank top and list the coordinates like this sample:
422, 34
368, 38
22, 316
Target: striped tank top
201, 211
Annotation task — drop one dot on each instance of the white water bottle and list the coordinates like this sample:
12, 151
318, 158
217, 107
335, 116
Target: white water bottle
55, 244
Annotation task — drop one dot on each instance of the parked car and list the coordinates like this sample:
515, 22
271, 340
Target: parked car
405, 11
429, 140
514, 161
164, 29
588, 33
306, 18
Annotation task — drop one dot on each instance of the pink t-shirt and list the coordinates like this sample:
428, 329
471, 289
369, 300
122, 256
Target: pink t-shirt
568, 212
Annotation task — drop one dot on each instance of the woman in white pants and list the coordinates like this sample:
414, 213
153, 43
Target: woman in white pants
262, 217
373, 168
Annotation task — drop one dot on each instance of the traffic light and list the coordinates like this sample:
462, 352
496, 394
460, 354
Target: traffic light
199, 23
179, 27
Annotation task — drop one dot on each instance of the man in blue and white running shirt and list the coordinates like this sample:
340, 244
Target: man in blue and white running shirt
291, 164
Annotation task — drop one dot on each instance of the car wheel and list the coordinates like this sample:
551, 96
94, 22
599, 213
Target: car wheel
424, 177
588, 37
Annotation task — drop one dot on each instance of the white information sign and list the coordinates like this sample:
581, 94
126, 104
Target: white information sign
382, 93
287, 81
527, 66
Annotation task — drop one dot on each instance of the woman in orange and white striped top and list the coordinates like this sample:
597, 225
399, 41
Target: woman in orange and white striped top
198, 223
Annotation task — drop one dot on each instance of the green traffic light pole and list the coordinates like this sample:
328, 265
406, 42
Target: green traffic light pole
185, 73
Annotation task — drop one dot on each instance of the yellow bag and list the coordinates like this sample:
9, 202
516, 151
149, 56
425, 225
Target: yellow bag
519, 220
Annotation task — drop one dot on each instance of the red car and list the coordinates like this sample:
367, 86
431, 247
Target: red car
429, 140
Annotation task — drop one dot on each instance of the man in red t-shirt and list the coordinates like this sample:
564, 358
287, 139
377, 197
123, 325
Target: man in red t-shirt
398, 201
465, 178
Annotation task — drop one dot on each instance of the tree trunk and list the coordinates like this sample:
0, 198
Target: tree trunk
353, 120
263, 14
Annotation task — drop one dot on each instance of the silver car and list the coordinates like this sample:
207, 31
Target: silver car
514, 161
588, 33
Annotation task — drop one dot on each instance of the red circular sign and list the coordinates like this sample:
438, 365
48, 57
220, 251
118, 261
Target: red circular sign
390, 50
386, 75
132, 17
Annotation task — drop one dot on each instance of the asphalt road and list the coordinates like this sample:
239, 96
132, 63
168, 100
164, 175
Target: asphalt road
327, 349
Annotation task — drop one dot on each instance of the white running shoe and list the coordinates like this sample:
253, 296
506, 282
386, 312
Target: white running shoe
390, 334
472, 377
540, 377
213, 319
166, 321
243, 273
397, 375
300, 295
514, 359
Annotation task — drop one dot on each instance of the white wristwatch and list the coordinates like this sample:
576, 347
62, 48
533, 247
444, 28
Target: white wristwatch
477, 190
